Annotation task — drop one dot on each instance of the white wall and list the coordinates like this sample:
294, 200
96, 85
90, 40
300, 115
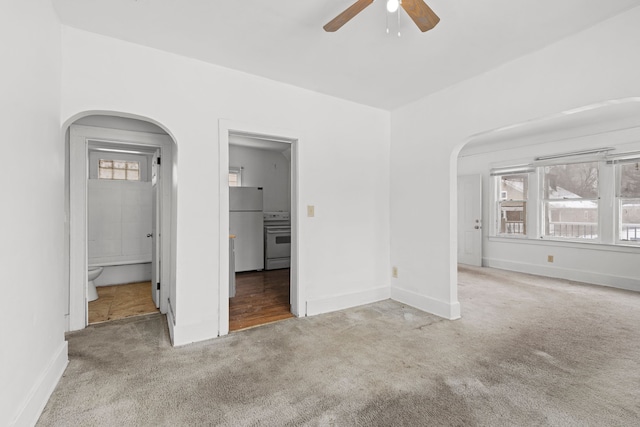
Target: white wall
604, 264
344, 248
597, 64
267, 169
33, 353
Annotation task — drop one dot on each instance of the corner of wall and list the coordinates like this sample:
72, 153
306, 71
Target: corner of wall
42, 389
341, 302
447, 310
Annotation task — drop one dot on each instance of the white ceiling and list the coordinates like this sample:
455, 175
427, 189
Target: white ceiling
283, 40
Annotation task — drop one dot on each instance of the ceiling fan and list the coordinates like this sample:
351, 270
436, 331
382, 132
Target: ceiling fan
418, 10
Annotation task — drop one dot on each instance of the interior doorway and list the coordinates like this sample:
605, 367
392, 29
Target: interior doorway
265, 287
470, 219
260, 231
126, 239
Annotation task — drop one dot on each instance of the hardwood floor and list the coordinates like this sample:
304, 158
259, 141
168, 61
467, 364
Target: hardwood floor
261, 297
121, 301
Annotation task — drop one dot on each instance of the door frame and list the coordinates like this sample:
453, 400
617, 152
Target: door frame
79, 138
227, 127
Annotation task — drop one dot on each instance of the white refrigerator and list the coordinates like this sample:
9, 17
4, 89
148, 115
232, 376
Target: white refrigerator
245, 221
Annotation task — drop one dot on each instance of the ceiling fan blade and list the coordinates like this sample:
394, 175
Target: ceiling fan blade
346, 16
421, 14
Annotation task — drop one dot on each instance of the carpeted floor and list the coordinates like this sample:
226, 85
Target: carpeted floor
528, 351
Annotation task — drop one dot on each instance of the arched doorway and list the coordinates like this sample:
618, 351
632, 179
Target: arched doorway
116, 132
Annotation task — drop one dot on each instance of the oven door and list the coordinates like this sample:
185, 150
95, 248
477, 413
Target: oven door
277, 242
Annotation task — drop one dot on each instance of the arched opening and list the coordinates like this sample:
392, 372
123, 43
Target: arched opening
521, 229
133, 235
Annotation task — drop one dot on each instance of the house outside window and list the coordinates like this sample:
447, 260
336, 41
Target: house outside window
570, 201
513, 192
629, 202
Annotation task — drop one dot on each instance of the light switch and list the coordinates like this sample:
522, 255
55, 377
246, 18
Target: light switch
311, 211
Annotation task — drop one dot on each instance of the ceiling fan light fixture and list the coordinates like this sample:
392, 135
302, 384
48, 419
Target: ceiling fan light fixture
393, 5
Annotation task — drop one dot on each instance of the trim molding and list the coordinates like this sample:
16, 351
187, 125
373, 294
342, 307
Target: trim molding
341, 302
620, 282
444, 309
42, 389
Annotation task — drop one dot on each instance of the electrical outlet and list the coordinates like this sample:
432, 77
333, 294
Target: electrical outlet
311, 211
549, 258
394, 272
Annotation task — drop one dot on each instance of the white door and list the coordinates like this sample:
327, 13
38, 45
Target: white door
156, 208
470, 219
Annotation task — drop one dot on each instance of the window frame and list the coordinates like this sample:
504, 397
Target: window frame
544, 201
126, 169
498, 195
619, 200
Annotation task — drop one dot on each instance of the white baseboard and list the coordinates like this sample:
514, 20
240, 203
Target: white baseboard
340, 302
444, 309
39, 394
620, 282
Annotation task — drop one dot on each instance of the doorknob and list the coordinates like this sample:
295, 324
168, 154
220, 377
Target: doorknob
150, 235
477, 227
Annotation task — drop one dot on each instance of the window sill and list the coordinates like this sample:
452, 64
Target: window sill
595, 246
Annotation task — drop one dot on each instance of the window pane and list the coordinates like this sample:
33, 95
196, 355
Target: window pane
630, 180
105, 164
572, 181
119, 164
513, 187
133, 165
133, 175
513, 218
630, 220
119, 174
577, 219
233, 179
105, 173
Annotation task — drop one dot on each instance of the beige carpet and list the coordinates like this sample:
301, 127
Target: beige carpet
528, 351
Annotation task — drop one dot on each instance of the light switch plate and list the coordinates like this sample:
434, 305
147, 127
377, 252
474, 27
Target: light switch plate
311, 211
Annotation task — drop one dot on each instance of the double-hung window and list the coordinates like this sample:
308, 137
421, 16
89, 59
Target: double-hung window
628, 196
570, 201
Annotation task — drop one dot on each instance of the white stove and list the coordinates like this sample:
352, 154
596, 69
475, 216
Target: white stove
277, 240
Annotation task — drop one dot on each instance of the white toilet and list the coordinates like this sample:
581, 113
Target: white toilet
92, 293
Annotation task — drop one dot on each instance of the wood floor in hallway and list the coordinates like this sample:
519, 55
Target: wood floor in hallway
261, 297
121, 301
